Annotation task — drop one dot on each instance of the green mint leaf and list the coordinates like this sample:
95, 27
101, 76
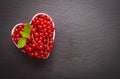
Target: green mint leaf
27, 28
21, 42
25, 34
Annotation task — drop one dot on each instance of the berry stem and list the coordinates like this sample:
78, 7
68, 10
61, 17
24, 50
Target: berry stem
34, 40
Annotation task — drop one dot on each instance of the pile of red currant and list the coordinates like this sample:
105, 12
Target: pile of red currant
41, 39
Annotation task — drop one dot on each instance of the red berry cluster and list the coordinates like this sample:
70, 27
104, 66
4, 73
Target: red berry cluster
40, 42
16, 34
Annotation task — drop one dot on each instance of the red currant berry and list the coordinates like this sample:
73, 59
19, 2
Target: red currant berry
41, 38
45, 46
39, 42
36, 34
40, 47
39, 28
48, 18
15, 39
46, 34
41, 15
42, 23
50, 42
28, 49
33, 31
16, 31
41, 56
37, 22
41, 19
13, 35
51, 46
49, 28
49, 31
36, 54
29, 39
44, 26
36, 39
50, 35
18, 35
48, 23
40, 35
45, 21
45, 54
45, 30
32, 54
33, 21
35, 18
20, 27
44, 41
41, 52
33, 46
53, 28
48, 49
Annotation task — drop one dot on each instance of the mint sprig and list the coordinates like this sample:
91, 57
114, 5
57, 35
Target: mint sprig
22, 42
25, 34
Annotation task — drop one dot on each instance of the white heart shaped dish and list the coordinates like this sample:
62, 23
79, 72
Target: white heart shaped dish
43, 41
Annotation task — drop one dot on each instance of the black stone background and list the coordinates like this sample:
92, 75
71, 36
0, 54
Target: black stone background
87, 44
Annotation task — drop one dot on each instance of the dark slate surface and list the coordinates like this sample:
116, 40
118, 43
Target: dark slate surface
87, 44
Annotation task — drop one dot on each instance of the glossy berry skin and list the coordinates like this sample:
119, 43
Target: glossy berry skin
33, 46
36, 35
28, 49
40, 42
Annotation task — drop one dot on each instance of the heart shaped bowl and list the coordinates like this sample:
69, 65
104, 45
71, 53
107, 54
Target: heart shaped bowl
30, 23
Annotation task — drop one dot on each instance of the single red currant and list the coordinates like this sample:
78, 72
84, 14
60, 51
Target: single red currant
39, 42
32, 54
40, 47
41, 56
36, 54
48, 49
36, 34
45, 54
33, 46
50, 42
44, 26
28, 49
33, 31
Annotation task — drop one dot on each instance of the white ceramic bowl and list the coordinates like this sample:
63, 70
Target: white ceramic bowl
30, 23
